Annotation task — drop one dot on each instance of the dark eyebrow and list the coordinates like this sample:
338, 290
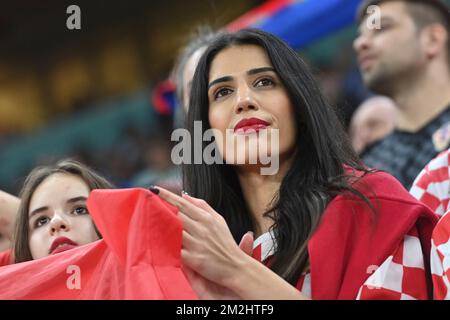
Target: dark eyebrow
76, 199
72, 200
249, 72
259, 70
36, 211
223, 79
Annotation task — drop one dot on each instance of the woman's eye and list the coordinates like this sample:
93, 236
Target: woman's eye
264, 82
41, 221
80, 210
221, 93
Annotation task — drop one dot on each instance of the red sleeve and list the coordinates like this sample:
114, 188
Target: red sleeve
352, 240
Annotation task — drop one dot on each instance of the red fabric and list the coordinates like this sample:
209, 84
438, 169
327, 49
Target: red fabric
432, 184
138, 257
347, 244
440, 258
5, 258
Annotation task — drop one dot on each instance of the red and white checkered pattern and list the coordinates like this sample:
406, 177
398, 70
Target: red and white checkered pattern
264, 248
432, 185
400, 277
440, 258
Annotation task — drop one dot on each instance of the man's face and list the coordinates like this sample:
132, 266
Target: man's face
391, 53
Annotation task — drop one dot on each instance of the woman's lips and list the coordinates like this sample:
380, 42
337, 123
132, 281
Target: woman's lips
250, 129
62, 248
61, 244
250, 125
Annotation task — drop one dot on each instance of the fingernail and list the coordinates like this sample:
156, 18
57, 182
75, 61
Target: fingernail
184, 192
154, 189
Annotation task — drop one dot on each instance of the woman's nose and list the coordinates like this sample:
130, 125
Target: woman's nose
58, 223
245, 100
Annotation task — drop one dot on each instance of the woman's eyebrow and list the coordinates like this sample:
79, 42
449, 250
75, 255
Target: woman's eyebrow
36, 211
71, 200
249, 72
76, 199
259, 70
222, 79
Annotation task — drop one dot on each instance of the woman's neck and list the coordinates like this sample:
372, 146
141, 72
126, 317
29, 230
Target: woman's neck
259, 190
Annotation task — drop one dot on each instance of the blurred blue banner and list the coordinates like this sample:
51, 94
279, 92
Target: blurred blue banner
302, 22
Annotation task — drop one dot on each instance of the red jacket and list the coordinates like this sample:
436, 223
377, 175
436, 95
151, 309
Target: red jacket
347, 243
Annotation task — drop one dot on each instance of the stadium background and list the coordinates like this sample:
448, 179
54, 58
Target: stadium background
100, 94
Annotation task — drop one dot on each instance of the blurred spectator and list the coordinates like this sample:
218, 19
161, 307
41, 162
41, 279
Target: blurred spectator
373, 120
355, 93
126, 158
158, 167
407, 59
9, 206
185, 68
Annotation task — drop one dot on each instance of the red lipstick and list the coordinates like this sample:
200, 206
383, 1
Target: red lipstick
250, 124
61, 244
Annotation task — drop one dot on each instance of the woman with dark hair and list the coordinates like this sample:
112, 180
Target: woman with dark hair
53, 215
325, 226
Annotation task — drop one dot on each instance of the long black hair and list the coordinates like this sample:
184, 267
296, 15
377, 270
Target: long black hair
319, 168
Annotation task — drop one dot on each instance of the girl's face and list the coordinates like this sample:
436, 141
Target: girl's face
58, 216
247, 97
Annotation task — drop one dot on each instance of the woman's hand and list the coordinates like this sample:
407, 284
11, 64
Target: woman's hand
208, 246
217, 267
208, 290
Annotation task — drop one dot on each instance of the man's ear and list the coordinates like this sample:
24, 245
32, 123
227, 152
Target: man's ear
435, 39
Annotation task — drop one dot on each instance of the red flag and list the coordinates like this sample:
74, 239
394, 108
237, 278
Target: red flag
138, 257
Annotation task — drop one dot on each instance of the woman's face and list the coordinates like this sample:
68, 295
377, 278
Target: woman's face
58, 216
247, 98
